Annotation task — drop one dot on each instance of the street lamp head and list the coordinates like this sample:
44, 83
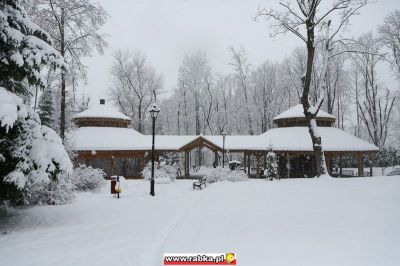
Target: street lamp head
154, 110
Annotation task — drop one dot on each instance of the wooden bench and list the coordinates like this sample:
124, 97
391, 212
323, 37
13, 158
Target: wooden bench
200, 182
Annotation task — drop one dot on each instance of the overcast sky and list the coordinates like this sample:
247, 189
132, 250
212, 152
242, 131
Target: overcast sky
166, 30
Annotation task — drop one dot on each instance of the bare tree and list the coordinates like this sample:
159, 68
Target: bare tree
294, 67
182, 94
194, 76
224, 86
208, 106
135, 85
375, 107
265, 95
389, 33
74, 26
242, 70
305, 22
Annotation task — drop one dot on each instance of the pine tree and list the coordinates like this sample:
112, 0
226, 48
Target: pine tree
24, 49
47, 108
271, 172
29, 152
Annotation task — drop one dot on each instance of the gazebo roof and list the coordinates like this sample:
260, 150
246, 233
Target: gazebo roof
109, 138
298, 139
102, 111
297, 112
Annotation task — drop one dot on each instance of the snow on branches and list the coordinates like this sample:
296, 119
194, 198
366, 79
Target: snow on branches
32, 153
271, 171
163, 173
25, 49
87, 178
219, 174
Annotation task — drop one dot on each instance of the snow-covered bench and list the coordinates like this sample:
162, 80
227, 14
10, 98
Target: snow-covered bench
200, 182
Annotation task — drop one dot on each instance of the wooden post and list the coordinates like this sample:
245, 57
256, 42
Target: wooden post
187, 173
328, 163
265, 160
288, 166
360, 165
189, 159
244, 161
215, 158
248, 164
370, 165
184, 164
112, 165
258, 165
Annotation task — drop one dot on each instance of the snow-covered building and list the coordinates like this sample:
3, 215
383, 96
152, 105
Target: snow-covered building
105, 140
292, 142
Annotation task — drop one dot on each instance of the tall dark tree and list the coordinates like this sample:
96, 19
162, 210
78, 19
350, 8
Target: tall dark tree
29, 152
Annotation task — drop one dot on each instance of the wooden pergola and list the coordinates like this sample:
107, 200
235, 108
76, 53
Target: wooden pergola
199, 142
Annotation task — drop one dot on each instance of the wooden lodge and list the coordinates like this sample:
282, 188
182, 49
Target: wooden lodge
103, 139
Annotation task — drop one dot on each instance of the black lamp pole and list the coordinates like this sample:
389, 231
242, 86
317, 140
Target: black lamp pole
223, 150
154, 113
152, 160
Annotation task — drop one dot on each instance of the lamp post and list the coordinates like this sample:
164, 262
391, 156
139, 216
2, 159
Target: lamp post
154, 110
223, 149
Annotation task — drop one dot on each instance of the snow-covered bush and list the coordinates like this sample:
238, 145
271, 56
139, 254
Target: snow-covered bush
271, 171
87, 178
53, 193
163, 173
62, 191
220, 174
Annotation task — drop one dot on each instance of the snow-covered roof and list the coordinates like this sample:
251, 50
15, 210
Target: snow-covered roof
102, 111
108, 138
114, 138
281, 139
297, 111
298, 139
170, 142
238, 142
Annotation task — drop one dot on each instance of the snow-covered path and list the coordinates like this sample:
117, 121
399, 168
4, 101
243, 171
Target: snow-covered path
292, 222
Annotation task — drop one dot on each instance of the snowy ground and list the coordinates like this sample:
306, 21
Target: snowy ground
352, 221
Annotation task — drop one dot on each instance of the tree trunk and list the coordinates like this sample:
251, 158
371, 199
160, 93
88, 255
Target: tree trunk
140, 125
185, 113
197, 128
178, 118
62, 117
310, 116
63, 85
